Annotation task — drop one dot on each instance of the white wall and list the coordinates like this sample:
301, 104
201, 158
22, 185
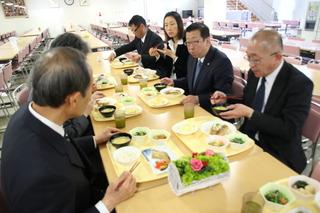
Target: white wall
41, 14
214, 10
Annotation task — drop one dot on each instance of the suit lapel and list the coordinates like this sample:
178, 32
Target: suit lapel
278, 87
60, 144
146, 42
251, 88
191, 73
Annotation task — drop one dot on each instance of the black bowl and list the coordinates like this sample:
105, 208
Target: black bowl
107, 110
122, 59
218, 108
128, 71
160, 86
117, 142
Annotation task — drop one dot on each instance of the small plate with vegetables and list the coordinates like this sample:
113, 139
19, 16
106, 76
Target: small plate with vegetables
237, 140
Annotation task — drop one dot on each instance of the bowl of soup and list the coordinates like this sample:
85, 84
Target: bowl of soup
160, 86
120, 139
218, 108
107, 110
128, 71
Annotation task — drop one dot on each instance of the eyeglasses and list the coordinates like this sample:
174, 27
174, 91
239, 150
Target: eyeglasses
189, 43
256, 61
135, 30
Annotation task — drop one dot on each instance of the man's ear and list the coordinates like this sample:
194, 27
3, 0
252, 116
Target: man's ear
72, 99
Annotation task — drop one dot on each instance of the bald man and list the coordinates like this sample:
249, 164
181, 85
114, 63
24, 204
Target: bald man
276, 101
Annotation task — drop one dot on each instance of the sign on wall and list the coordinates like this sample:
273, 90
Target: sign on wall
14, 8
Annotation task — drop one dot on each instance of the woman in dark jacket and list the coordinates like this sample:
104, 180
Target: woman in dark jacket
175, 54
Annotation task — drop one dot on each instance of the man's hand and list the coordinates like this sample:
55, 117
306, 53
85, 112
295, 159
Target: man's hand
135, 57
191, 99
105, 135
218, 97
122, 189
112, 56
237, 111
153, 52
167, 81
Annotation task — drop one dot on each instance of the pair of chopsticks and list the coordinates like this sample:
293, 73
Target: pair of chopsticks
134, 166
228, 97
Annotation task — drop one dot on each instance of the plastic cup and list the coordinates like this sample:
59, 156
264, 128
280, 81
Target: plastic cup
252, 202
124, 79
143, 82
188, 109
118, 87
120, 119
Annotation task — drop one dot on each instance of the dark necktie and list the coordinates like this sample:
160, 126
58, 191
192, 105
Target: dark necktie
196, 74
259, 97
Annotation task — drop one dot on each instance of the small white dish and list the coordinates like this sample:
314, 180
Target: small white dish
185, 128
206, 127
139, 134
126, 155
217, 142
172, 92
304, 194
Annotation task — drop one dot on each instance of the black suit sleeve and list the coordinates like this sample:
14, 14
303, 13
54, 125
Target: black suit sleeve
293, 113
59, 197
76, 127
146, 59
127, 47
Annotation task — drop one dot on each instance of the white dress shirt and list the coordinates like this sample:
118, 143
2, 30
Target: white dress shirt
59, 129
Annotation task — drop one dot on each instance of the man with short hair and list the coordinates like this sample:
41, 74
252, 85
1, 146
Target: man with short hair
276, 100
143, 41
43, 171
208, 68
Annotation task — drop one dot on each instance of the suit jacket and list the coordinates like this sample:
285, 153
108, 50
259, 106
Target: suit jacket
42, 171
280, 124
216, 74
151, 40
180, 66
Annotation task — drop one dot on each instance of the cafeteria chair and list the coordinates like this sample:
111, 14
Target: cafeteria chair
314, 64
316, 171
296, 39
21, 94
311, 129
317, 55
293, 59
3, 205
291, 50
238, 85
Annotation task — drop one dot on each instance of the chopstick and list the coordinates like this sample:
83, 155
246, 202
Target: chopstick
134, 166
228, 97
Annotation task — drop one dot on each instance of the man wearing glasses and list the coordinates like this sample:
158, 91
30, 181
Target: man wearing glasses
208, 68
143, 41
276, 101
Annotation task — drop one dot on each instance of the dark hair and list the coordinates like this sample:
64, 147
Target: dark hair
137, 20
178, 19
204, 30
58, 73
70, 40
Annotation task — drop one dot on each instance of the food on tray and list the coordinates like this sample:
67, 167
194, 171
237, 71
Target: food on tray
276, 196
120, 140
216, 143
107, 110
173, 92
159, 101
140, 133
159, 137
138, 76
163, 159
219, 129
220, 108
237, 140
304, 187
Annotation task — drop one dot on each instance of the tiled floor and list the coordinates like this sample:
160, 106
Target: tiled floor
4, 120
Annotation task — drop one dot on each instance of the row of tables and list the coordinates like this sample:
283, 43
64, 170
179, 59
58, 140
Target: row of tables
249, 170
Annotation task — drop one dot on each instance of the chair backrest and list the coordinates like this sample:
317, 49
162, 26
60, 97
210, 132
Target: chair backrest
238, 85
21, 94
7, 72
311, 127
3, 205
291, 50
316, 171
317, 55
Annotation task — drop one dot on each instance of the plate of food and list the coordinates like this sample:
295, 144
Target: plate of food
122, 62
105, 82
303, 187
237, 140
217, 142
105, 101
217, 127
149, 92
126, 155
185, 128
158, 158
172, 92
131, 110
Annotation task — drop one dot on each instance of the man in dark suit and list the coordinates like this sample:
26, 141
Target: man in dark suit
143, 41
208, 68
43, 171
276, 101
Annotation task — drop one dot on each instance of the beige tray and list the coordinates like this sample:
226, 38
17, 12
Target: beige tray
106, 86
98, 117
131, 79
171, 102
143, 172
118, 65
196, 142
311, 204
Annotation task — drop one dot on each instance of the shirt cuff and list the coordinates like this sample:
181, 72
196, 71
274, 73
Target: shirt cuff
174, 61
94, 141
101, 207
157, 57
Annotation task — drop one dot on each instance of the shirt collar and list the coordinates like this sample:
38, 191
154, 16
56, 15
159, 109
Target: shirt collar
144, 37
47, 122
272, 76
171, 43
201, 59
